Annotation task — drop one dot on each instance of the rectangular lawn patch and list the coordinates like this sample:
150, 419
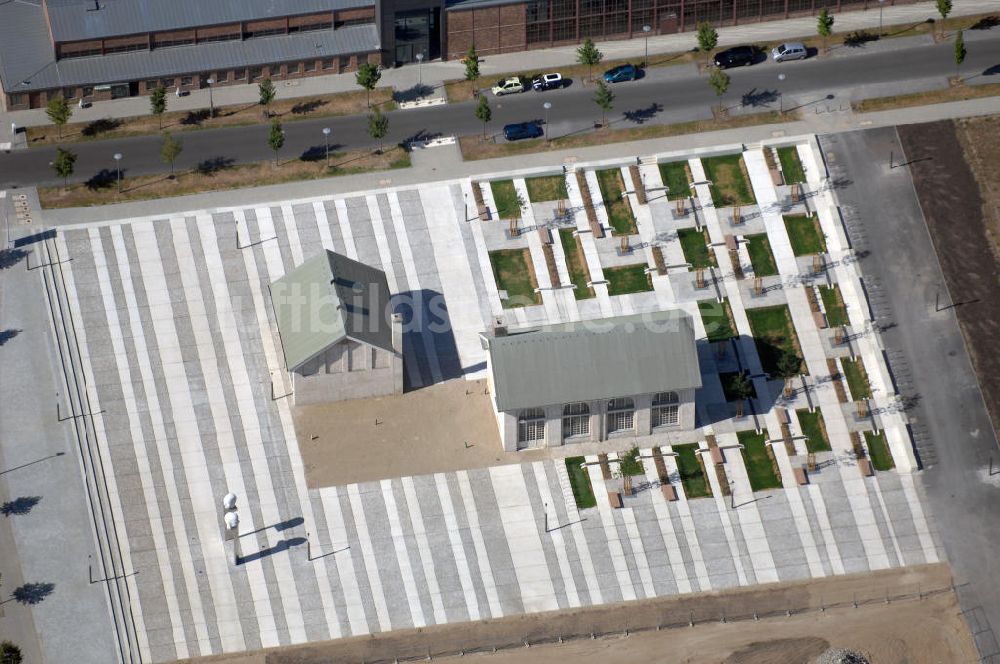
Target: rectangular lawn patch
576, 264
761, 256
814, 429
505, 197
692, 477
627, 279
729, 185
619, 210
694, 244
674, 176
513, 272
804, 234
791, 167
579, 481
718, 320
836, 312
547, 188
773, 334
857, 379
760, 468
878, 451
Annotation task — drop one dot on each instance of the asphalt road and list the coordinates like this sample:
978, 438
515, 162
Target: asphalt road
666, 94
949, 422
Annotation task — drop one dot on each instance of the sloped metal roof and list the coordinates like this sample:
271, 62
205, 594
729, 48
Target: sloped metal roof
327, 299
594, 360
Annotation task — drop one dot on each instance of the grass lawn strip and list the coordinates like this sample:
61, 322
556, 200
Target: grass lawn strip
717, 319
513, 273
836, 312
692, 475
878, 451
579, 481
505, 197
791, 167
760, 466
576, 264
694, 244
619, 210
547, 188
814, 429
804, 234
954, 93
761, 256
857, 379
627, 279
675, 178
773, 334
729, 185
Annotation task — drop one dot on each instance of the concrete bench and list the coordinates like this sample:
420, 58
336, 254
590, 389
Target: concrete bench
669, 492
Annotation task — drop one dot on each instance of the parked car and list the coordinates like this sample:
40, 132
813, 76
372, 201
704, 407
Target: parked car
621, 73
789, 51
547, 82
738, 56
507, 86
519, 130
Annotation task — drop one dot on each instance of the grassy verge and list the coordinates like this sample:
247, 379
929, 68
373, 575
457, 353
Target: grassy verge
760, 467
954, 93
791, 167
804, 234
627, 279
547, 188
287, 110
692, 477
717, 319
513, 273
729, 185
857, 379
836, 312
505, 197
674, 176
576, 264
774, 335
619, 210
579, 481
761, 257
694, 244
878, 451
217, 177
814, 429
473, 147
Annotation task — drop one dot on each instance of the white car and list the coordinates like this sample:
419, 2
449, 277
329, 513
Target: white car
789, 51
547, 82
508, 86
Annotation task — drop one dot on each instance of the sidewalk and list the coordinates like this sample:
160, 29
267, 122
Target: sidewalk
434, 73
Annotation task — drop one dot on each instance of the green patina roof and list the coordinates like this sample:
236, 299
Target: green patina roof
327, 299
594, 360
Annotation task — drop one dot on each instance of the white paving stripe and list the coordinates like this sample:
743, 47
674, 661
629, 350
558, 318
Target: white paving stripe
424, 549
345, 228
482, 554
722, 509
819, 506
919, 520
345, 565
690, 534
368, 554
402, 556
888, 523
638, 552
604, 510
485, 267
324, 226
457, 549
666, 524
555, 533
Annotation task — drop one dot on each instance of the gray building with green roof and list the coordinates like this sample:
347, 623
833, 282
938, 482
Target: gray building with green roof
339, 337
587, 381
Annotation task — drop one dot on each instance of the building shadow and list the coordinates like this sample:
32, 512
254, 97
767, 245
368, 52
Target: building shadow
427, 332
19, 506
731, 363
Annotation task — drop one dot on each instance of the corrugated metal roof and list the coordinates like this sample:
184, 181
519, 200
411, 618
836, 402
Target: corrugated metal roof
73, 20
327, 299
27, 58
594, 360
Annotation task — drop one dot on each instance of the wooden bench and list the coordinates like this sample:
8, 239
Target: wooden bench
588, 205
777, 178
716, 454
615, 499
669, 492
638, 184
800, 475
865, 466
545, 235
820, 320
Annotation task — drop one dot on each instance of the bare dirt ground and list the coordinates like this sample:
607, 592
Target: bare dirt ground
921, 624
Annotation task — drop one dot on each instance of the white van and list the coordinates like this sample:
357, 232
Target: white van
789, 51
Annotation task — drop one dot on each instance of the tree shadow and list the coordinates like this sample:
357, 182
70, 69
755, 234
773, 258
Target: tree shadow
103, 179
101, 126
318, 152
214, 165
986, 23
7, 335
11, 257
644, 115
19, 506
306, 107
412, 93
31, 593
755, 98
195, 117
991, 71
859, 38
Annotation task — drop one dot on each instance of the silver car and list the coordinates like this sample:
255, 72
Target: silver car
789, 51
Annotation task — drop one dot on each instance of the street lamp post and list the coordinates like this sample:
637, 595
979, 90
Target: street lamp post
547, 106
326, 137
881, 4
118, 170
211, 100
420, 69
781, 95
645, 57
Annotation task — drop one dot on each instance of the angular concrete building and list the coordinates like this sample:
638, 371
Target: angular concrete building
588, 381
339, 337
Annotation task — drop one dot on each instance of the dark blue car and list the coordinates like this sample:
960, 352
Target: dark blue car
519, 130
621, 73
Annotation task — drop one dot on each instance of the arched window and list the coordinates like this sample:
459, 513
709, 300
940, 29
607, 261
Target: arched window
621, 415
665, 409
530, 427
576, 420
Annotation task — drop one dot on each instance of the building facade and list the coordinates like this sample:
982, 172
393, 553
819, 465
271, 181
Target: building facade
625, 377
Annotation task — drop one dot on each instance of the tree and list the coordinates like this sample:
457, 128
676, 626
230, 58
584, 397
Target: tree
944, 8
158, 103
63, 164
169, 150
960, 53
378, 127
484, 113
605, 100
59, 112
719, 80
368, 77
742, 389
267, 94
472, 67
10, 653
788, 367
708, 37
276, 138
824, 25
588, 54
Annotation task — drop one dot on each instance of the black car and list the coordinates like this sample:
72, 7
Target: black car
738, 56
519, 130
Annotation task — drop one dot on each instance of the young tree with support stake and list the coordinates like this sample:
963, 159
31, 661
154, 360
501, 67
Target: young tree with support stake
824, 26
63, 164
708, 38
472, 68
158, 103
944, 8
267, 93
960, 54
276, 138
742, 388
368, 77
170, 150
59, 112
483, 112
719, 80
605, 99
589, 55
788, 367
378, 127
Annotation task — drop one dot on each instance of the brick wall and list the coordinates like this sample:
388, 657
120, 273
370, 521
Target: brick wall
492, 30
